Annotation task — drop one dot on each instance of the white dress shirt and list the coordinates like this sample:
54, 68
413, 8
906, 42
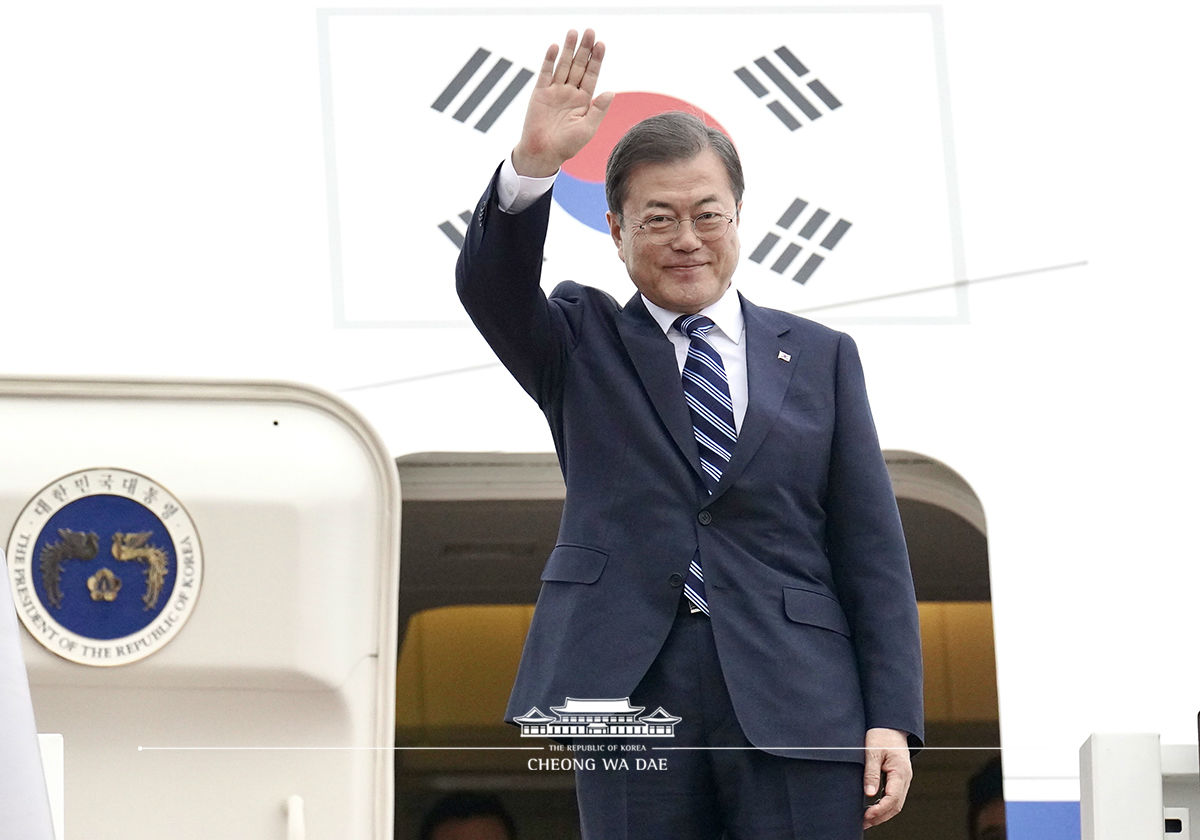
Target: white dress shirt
515, 192
727, 338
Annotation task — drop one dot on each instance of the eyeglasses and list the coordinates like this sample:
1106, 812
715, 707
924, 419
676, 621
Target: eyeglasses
659, 230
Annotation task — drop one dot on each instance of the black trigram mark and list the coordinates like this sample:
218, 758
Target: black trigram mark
484, 89
787, 74
811, 226
455, 233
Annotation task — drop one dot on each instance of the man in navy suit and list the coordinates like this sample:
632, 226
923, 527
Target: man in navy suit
758, 587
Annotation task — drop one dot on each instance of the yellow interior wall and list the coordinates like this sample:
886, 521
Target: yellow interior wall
457, 664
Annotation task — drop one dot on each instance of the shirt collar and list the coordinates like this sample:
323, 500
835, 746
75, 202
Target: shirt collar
726, 313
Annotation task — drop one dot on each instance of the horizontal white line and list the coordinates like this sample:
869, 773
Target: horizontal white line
318, 749
826, 749
542, 748
944, 286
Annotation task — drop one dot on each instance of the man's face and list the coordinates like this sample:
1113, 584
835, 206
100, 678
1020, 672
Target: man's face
686, 274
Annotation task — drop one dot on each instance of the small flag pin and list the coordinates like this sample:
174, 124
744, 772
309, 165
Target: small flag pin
786, 357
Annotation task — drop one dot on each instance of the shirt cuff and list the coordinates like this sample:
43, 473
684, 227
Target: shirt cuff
515, 192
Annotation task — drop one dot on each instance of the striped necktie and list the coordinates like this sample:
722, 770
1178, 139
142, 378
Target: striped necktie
706, 391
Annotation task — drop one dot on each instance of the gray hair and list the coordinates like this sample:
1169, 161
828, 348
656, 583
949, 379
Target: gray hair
666, 138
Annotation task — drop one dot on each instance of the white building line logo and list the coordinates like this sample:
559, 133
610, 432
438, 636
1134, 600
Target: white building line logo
598, 719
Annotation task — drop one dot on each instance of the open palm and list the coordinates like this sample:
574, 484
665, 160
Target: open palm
562, 115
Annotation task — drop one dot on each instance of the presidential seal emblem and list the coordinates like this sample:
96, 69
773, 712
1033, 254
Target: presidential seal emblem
105, 566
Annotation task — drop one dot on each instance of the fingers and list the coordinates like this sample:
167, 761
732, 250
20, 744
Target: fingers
563, 70
895, 792
591, 72
600, 104
547, 72
896, 767
582, 59
576, 67
871, 767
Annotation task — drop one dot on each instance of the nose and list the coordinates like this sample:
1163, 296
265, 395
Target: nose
686, 238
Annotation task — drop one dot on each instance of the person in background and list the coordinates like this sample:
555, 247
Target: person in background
985, 803
468, 816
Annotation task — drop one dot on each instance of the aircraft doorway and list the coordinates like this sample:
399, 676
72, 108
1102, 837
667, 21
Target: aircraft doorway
476, 530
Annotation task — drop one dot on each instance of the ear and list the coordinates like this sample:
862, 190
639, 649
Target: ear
618, 235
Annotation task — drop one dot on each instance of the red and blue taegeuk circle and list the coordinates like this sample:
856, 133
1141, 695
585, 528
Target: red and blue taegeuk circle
579, 188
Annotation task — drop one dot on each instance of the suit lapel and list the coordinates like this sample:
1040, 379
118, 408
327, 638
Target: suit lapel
653, 356
768, 375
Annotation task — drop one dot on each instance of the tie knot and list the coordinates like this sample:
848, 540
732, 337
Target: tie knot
694, 326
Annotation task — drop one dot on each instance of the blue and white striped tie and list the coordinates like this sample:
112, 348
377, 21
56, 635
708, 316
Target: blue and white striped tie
706, 391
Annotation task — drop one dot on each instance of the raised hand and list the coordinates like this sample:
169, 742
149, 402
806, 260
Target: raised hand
562, 115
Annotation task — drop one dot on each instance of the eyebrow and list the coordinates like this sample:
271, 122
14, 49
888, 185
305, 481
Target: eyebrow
656, 204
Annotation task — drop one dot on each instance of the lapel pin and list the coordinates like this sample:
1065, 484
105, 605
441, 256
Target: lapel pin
786, 357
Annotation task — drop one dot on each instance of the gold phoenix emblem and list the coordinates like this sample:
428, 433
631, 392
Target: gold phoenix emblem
130, 548
72, 545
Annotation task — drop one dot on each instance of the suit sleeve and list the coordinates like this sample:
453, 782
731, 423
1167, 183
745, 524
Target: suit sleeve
498, 278
870, 560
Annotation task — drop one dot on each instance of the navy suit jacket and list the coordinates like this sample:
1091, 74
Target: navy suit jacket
805, 566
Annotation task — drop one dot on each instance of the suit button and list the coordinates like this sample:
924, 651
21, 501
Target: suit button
676, 580
704, 517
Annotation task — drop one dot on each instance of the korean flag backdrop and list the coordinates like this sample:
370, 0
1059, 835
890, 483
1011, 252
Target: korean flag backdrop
837, 117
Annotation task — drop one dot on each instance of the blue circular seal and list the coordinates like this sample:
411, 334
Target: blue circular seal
105, 566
